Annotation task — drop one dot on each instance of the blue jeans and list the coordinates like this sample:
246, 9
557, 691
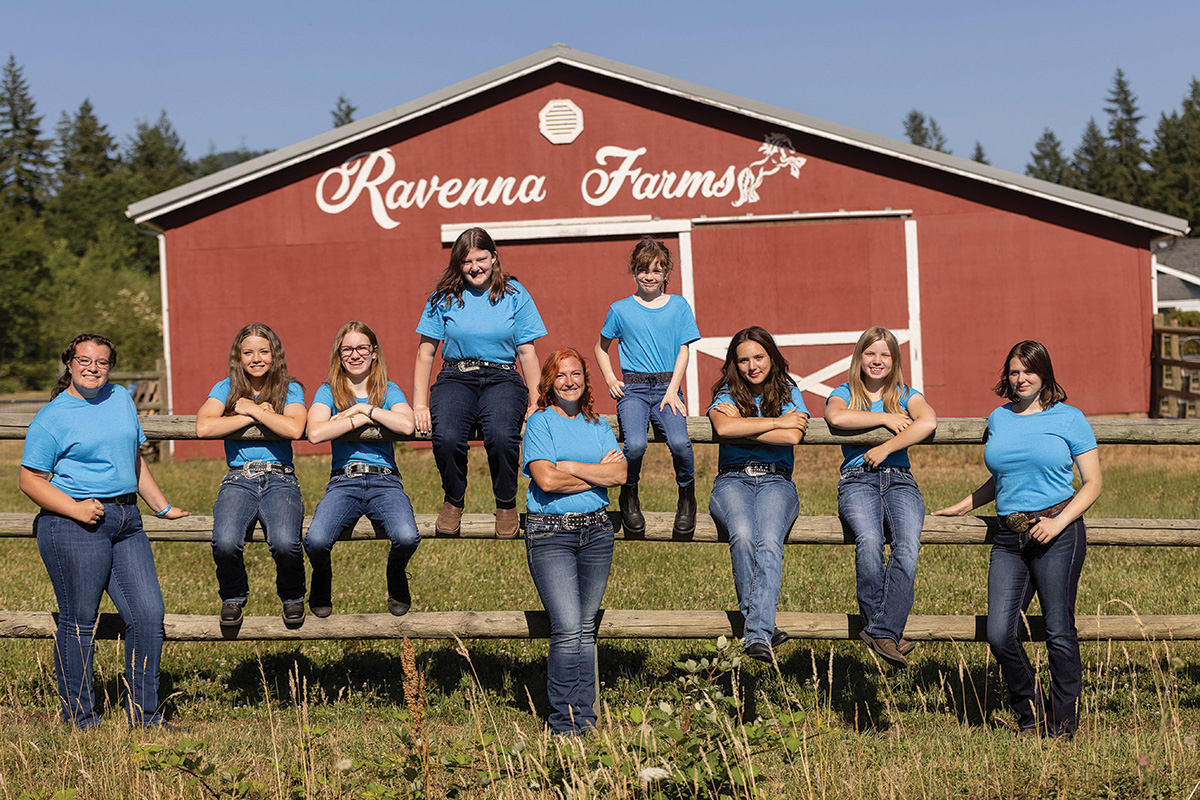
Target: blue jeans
874, 505
756, 513
1052, 571
274, 500
570, 571
382, 500
84, 561
640, 406
496, 399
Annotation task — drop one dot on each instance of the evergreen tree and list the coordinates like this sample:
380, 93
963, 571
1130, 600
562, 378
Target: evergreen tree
1128, 176
157, 158
1173, 186
85, 148
343, 111
924, 132
978, 154
1049, 163
23, 281
1092, 161
24, 154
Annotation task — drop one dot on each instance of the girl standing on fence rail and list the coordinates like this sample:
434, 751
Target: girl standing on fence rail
1032, 442
571, 457
876, 492
261, 486
365, 479
754, 501
486, 322
81, 466
653, 330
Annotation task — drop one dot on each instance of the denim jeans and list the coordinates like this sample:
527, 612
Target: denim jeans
382, 500
84, 561
570, 571
640, 406
494, 398
756, 513
1052, 571
874, 505
274, 500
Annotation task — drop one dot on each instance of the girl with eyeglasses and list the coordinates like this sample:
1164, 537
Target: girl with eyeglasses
365, 479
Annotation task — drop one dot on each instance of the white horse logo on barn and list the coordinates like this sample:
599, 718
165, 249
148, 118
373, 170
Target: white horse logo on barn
778, 152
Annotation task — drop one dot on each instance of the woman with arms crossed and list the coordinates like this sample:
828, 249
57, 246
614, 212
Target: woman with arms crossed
754, 499
81, 466
1032, 442
571, 457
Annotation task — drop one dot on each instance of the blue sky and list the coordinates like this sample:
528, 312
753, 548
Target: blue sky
267, 73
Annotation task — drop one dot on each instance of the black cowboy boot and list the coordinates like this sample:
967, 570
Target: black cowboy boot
685, 512
631, 511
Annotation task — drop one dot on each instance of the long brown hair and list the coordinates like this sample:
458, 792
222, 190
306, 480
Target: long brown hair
550, 371
64, 380
275, 382
452, 284
776, 389
339, 379
1036, 358
893, 384
648, 251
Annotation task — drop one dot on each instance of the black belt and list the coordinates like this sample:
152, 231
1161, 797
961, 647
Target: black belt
358, 468
647, 377
755, 469
472, 364
255, 469
120, 500
567, 522
1020, 521
903, 470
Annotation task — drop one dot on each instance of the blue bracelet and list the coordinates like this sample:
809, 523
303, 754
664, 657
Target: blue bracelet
163, 513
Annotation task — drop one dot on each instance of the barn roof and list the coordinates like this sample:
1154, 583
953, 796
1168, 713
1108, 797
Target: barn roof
148, 210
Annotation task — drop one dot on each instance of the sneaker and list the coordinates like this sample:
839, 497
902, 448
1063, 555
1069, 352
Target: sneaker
293, 613
449, 520
508, 522
885, 649
231, 615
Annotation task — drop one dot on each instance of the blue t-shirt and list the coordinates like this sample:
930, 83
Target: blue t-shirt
477, 329
238, 453
1030, 455
731, 454
89, 446
648, 339
549, 436
852, 454
381, 454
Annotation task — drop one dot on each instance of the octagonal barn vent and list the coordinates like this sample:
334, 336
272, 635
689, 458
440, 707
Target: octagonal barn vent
560, 121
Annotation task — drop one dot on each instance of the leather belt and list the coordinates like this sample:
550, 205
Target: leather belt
567, 522
650, 378
1020, 521
358, 468
472, 364
119, 500
755, 469
256, 469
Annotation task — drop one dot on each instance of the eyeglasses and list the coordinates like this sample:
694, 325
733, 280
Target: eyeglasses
99, 363
362, 350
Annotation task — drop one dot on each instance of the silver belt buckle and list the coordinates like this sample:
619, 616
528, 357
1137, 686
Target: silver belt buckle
353, 469
255, 469
757, 470
463, 366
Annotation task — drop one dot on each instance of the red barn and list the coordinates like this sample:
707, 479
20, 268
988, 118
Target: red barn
809, 228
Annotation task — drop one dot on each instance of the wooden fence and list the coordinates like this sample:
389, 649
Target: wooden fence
616, 623
1174, 371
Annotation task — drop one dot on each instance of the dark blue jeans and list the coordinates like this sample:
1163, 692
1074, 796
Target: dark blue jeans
274, 500
756, 513
875, 504
84, 561
1014, 575
638, 407
496, 399
382, 500
570, 571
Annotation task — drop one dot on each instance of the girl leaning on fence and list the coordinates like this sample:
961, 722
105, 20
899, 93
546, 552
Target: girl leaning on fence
261, 486
82, 468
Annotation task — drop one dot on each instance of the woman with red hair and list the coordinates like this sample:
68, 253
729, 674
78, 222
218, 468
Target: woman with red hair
571, 457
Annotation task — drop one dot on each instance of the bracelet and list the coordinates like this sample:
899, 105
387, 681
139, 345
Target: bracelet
163, 513
370, 411
352, 425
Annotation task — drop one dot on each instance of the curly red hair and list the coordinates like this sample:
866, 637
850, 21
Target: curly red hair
550, 371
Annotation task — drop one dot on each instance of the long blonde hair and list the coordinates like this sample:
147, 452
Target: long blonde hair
893, 385
339, 380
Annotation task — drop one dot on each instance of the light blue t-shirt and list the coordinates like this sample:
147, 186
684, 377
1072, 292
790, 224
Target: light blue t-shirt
852, 454
480, 330
648, 339
381, 454
731, 454
1030, 455
89, 446
549, 436
238, 453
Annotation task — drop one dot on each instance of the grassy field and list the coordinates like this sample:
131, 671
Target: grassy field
365, 719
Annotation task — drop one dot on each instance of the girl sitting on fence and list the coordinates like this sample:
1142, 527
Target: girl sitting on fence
365, 479
81, 467
877, 495
261, 485
754, 500
571, 457
653, 330
1032, 442
486, 322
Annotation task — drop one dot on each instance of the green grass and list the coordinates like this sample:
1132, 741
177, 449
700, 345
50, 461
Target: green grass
290, 712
